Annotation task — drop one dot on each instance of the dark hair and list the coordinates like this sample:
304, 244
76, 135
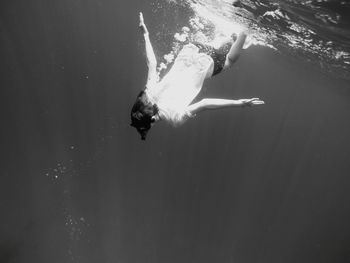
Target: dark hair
141, 114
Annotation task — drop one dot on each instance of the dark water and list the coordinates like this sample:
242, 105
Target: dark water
268, 184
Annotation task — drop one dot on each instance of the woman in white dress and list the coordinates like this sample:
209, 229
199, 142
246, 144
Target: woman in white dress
170, 99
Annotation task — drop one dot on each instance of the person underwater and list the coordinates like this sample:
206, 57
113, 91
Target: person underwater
170, 98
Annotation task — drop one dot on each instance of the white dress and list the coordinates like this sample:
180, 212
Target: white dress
175, 92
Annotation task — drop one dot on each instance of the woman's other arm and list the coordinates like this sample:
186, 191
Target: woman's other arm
151, 58
213, 104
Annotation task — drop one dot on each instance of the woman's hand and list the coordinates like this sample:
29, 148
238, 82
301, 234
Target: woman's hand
142, 25
250, 102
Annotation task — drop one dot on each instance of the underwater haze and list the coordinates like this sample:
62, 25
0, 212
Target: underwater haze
263, 184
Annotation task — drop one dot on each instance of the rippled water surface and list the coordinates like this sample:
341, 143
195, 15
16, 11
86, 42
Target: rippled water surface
316, 31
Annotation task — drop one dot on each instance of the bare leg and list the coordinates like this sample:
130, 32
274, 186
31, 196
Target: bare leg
235, 50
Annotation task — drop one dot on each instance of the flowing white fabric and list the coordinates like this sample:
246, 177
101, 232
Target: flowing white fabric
175, 92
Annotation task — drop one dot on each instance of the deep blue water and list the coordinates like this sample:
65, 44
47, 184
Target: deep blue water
267, 184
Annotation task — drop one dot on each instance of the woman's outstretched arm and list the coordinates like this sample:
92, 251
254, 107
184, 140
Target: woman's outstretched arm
213, 104
151, 58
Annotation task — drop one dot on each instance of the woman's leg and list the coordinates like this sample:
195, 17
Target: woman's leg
235, 50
